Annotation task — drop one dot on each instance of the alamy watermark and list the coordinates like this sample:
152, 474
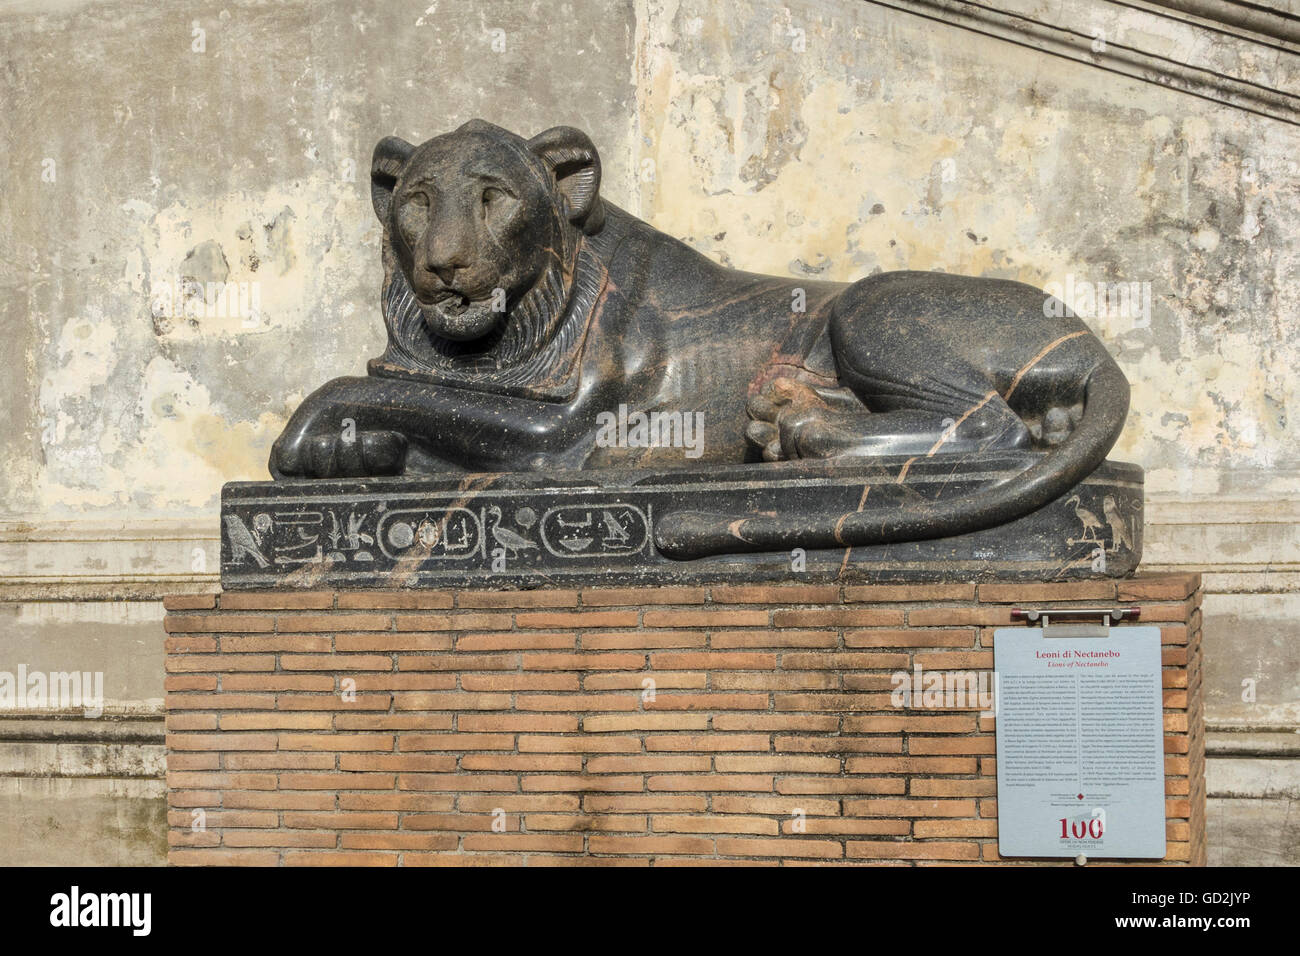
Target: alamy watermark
185, 298
133, 911
1099, 300
920, 689
624, 429
61, 690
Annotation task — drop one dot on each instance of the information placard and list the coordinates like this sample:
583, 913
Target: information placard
1080, 743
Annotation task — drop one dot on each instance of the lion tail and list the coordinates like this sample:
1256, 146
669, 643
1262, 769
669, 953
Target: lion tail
694, 534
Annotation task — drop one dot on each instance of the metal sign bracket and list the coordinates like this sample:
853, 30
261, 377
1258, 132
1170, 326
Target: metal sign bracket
1072, 618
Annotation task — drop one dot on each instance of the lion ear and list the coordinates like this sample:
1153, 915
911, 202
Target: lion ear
386, 165
573, 160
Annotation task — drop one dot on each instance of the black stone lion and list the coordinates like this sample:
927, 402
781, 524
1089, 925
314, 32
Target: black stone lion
523, 310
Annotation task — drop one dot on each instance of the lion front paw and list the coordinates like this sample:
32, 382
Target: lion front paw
369, 454
791, 419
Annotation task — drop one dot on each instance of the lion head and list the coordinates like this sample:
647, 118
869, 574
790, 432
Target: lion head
481, 235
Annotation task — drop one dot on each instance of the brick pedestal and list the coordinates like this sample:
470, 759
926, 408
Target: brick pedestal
703, 725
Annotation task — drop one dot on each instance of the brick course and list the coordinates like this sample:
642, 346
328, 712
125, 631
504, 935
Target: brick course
733, 724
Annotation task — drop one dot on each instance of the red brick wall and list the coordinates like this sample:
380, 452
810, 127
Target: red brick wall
516, 727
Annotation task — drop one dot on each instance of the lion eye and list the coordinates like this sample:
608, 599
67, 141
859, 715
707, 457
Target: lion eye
491, 195
413, 216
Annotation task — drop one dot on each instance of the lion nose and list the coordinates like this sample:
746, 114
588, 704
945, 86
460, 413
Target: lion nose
446, 262
446, 252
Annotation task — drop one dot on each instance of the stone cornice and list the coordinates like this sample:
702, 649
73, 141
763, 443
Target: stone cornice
1237, 54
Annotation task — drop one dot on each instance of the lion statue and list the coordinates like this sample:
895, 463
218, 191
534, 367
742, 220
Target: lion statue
523, 310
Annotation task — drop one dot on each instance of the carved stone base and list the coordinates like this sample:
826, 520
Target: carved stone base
598, 527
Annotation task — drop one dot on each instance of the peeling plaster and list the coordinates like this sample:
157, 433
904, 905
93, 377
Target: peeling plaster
981, 160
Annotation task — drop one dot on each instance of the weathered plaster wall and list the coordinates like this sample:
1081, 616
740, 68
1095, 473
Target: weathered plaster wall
884, 144
135, 157
153, 143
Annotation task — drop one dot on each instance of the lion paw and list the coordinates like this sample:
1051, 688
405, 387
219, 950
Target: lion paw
368, 454
791, 419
